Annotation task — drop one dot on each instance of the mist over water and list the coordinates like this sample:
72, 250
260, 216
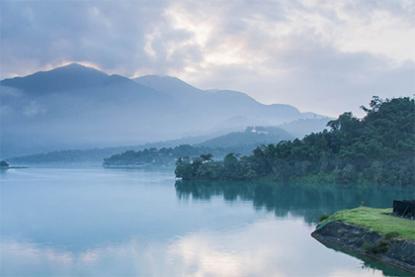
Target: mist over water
103, 222
113, 112
77, 107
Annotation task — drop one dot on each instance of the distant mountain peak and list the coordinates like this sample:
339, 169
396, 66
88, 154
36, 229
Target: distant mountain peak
73, 66
66, 77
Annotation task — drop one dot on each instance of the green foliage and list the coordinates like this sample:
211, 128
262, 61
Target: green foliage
163, 156
379, 220
323, 217
202, 167
377, 149
391, 235
248, 139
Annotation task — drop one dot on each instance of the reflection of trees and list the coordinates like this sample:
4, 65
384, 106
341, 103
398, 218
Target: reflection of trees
308, 201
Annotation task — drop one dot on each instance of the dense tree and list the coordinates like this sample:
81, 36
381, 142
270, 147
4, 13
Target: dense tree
163, 156
379, 148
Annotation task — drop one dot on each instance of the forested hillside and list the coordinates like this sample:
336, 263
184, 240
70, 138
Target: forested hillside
165, 156
248, 139
377, 149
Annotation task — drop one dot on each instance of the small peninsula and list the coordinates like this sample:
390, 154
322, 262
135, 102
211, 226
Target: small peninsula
370, 232
378, 149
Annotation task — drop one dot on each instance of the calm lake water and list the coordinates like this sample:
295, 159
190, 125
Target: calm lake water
107, 222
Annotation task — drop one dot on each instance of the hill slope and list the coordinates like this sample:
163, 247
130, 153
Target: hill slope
70, 77
79, 107
378, 149
250, 138
222, 106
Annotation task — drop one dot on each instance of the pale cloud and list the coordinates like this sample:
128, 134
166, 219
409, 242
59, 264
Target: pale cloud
323, 56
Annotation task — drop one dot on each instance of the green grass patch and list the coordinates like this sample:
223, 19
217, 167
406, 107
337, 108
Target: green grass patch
378, 220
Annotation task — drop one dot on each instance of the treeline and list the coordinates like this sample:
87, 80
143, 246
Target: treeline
377, 149
165, 156
66, 156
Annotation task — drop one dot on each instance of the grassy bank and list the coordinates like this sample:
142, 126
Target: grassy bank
378, 220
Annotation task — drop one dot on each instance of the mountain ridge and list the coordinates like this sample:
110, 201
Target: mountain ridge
76, 107
73, 76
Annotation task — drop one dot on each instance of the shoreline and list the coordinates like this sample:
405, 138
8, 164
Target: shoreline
390, 248
13, 167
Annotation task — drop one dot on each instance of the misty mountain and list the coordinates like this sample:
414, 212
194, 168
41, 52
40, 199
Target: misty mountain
227, 109
301, 127
77, 107
80, 107
70, 77
175, 87
169, 85
250, 138
93, 156
242, 142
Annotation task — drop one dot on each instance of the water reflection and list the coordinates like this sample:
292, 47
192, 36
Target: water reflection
306, 201
97, 222
262, 248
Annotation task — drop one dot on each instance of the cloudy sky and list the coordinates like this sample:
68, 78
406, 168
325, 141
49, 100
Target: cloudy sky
321, 56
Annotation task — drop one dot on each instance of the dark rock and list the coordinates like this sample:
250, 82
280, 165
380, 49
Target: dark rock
405, 208
350, 238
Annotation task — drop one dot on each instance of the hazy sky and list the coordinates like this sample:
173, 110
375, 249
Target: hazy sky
321, 56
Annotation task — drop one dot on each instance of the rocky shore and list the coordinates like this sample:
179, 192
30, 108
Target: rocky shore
389, 248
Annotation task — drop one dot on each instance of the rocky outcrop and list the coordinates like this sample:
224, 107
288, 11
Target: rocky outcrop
354, 239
